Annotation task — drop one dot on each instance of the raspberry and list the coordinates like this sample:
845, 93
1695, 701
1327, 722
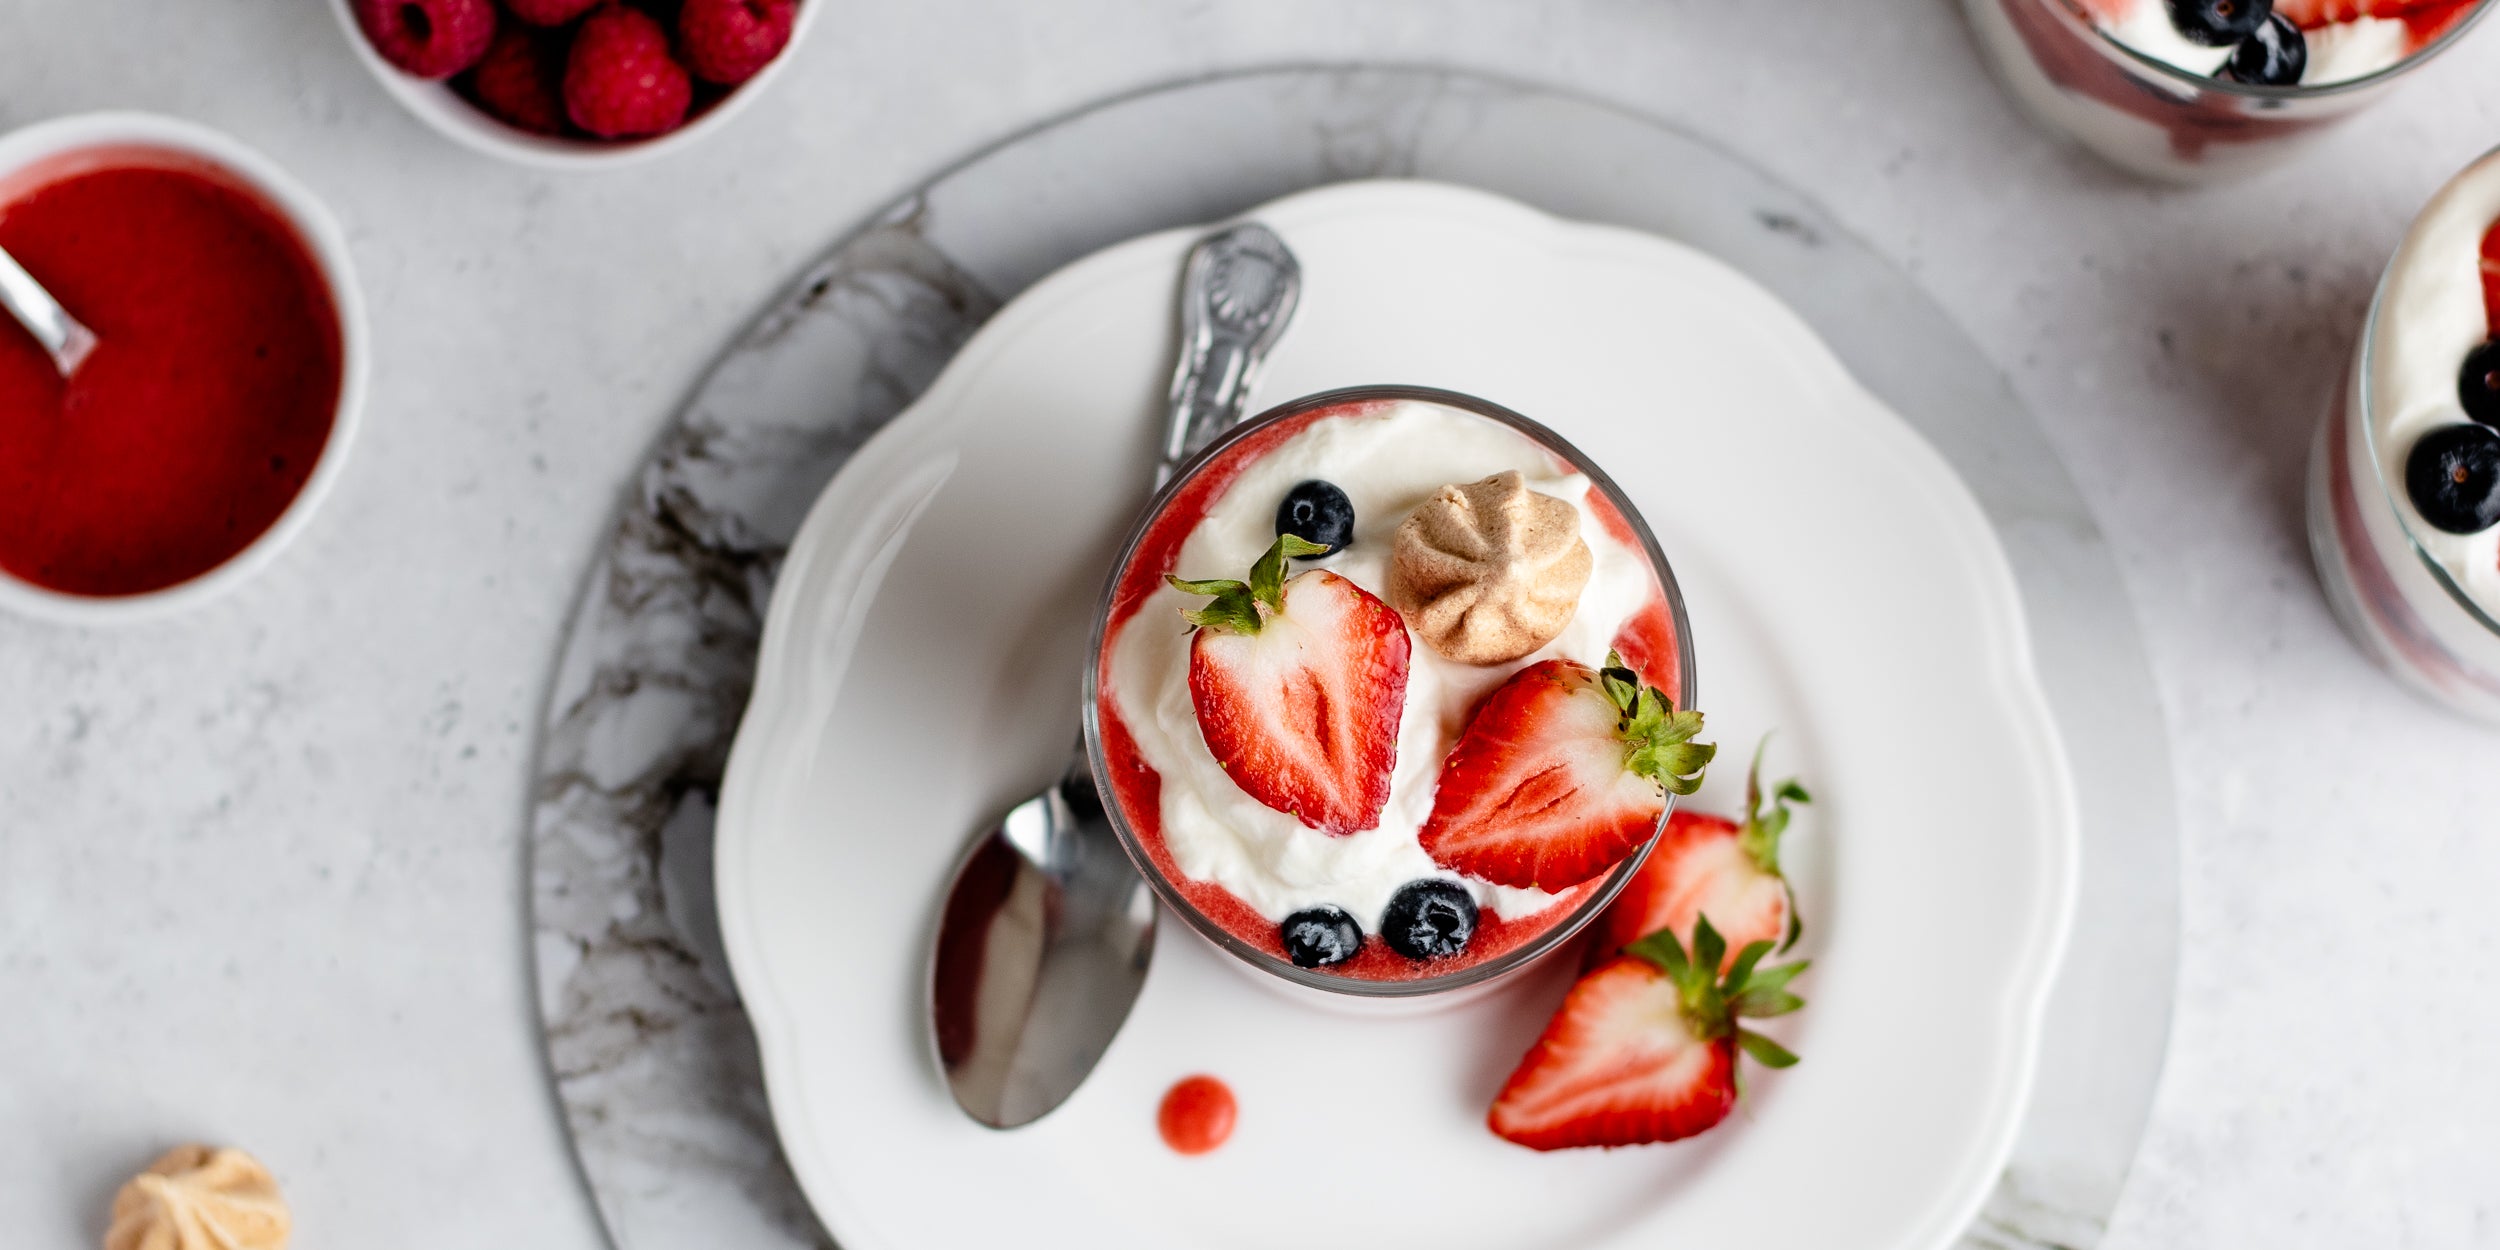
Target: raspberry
521, 80
428, 38
664, 11
547, 12
728, 41
621, 82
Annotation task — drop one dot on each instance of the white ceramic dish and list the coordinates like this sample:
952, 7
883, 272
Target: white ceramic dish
328, 244
920, 670
442, 108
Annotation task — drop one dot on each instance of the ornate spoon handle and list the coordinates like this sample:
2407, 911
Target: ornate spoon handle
1237, 294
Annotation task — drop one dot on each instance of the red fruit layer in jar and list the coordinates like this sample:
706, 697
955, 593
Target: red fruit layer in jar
1647, 642
208, 398
2425, 20
2073, 61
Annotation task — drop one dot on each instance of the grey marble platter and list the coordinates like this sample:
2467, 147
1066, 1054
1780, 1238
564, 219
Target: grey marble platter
652, 1058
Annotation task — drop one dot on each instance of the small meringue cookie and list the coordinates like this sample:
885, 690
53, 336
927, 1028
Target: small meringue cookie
1487, 572
200, 1198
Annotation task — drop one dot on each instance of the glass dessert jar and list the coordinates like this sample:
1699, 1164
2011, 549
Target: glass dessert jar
2122, 79
2404, 478
1351, 912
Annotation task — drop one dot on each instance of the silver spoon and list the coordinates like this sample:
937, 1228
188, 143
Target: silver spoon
62, 336
1048, 929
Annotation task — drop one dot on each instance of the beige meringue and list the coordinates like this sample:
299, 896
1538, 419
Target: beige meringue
1487, 572
200, 1198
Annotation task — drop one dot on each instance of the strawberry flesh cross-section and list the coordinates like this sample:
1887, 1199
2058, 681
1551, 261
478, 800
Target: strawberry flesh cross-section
1643, 1048
1298, 687
1706, 865
1561, 774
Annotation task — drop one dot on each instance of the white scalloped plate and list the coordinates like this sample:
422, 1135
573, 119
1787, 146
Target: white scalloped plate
920, 669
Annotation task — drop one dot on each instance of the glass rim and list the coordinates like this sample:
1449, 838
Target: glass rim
1527, 952
2257, 91
2365, 401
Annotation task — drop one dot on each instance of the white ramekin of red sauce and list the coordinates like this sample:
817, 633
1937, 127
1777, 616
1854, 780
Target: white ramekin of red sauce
218, 406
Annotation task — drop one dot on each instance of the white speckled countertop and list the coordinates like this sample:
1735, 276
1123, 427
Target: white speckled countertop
261, 867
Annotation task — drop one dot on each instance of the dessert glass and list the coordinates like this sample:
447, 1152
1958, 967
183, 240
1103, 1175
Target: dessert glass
2156, 119
1112, 756
2402, 606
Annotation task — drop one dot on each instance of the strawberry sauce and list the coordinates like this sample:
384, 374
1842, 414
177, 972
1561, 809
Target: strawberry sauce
2487, 267
1197, 1115
1648, 643
208, 399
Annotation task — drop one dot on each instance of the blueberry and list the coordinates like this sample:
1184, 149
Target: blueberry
1317, 512
1429, 919
2453, 476
2478, 383
2272, 57
2219, 23
1316, 937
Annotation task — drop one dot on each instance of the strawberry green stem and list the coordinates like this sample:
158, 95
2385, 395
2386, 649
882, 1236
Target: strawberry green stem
1242, 607
1713, 1004
1760, 836
1659, 737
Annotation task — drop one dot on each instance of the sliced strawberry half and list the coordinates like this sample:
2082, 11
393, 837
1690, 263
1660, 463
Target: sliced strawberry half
1707, 866
1644, 1047
1298, 686
1561, 773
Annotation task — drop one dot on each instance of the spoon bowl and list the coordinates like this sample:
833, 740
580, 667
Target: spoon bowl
1041, 951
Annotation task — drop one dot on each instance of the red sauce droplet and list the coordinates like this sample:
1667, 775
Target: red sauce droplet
1197, 1115
207, 401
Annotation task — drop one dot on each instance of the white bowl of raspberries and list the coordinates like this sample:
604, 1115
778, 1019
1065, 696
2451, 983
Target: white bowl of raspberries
574, 82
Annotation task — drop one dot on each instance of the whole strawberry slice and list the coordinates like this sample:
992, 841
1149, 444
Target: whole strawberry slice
1298, 686
1704, 864
1560, 774
1644, 1047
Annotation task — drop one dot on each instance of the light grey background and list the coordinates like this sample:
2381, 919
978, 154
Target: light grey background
261, 869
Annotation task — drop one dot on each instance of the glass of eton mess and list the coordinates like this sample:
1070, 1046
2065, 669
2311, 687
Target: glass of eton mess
1390, 693
2197, 90
2404, 482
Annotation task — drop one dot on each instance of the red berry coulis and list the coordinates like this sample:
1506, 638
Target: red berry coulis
200, 414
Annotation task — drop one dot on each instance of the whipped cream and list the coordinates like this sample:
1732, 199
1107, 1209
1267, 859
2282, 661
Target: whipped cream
2146, 27
2338, 51
2430, 314
1387, 462
2347, 50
